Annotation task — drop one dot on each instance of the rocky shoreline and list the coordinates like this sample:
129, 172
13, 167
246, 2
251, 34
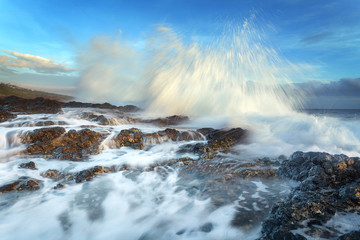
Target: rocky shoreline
326, 184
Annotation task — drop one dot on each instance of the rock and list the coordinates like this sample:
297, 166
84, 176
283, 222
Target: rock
168, 121
101, 119
53, 174
261, 173
186, 161
23, 183
353, 235
5, 116
60, 186
89, 174
73, 145
129, 138
127, 108
30, 106
328, 184
30, 165
223, 139
43, 135
44, 123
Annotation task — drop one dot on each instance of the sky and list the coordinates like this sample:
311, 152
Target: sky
40, 41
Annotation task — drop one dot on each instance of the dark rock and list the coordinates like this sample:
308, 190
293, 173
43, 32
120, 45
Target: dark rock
30, 165
328, 184
89, 174
101, 119
30, 106
207, 227
23, 183
127, 108
60, 186
5, 116
73, 145
223, 139
353, 235
168, 121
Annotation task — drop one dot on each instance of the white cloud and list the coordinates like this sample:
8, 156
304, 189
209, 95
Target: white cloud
35, 63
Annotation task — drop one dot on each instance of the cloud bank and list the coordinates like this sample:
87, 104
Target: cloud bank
344, 93
36, 63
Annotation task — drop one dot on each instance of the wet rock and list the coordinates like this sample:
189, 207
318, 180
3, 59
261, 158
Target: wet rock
29, 165
223, 139
53, 174
59, 186
44, 123
30, 106
353, 235
207, 227
168, 121
89, 174
260, 173
127, 108
328, 184
176, 135
77, 145
23, 183
43, 135
73, 145
101, 119
129, 138
186, 161
6, 116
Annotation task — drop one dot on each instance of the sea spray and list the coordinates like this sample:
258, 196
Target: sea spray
236, 73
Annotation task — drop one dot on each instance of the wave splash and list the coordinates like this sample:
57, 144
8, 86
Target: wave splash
236, 73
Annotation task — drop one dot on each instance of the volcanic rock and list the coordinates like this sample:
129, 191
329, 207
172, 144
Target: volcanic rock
328, 184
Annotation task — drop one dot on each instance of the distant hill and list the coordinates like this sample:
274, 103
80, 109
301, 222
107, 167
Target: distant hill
7, 89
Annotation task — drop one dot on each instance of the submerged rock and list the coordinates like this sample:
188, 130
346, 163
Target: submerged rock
328, 184
23, 183
30, 165
54, 142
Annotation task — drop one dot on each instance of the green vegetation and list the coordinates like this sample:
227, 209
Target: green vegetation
7, 89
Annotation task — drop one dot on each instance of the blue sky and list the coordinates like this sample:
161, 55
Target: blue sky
324, 34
